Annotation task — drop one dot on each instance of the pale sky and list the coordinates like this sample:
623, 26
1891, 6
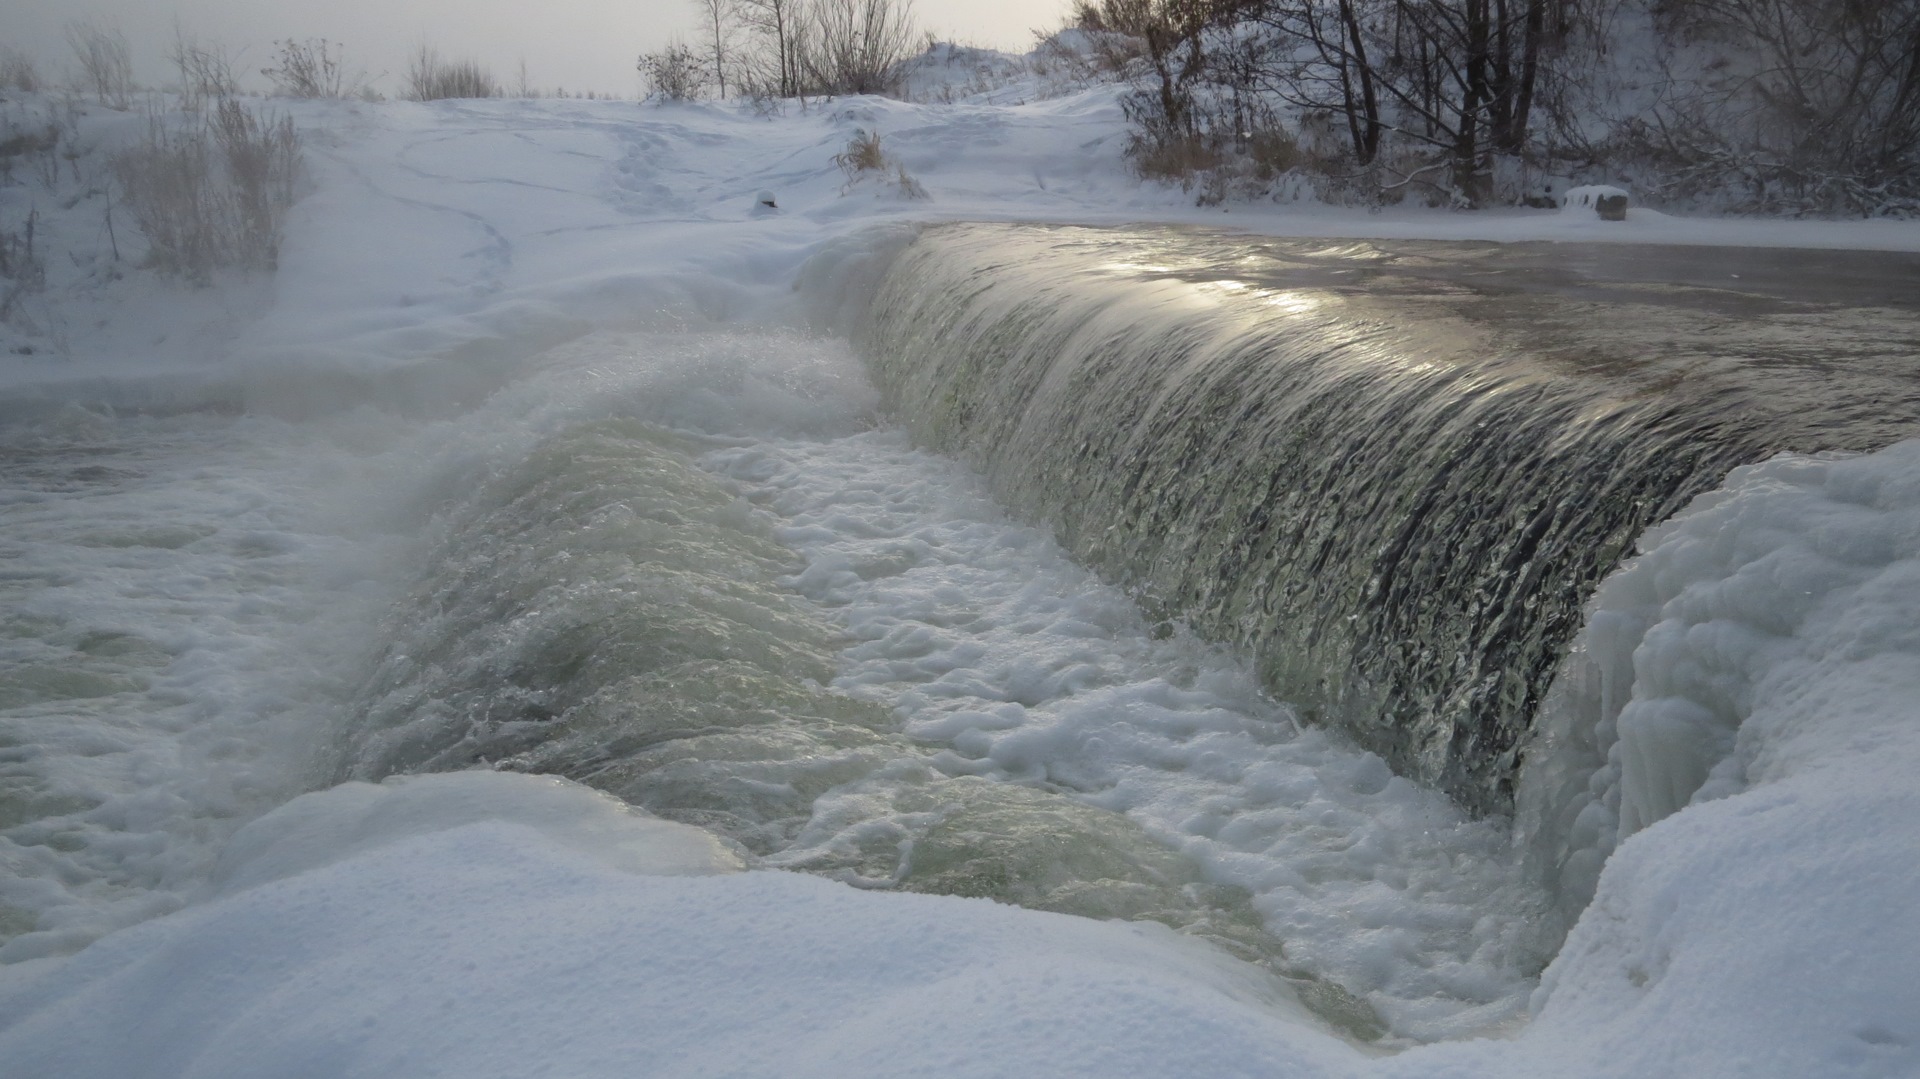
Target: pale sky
576, 44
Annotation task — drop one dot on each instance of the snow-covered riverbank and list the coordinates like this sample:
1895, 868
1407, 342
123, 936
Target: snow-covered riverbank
216, 503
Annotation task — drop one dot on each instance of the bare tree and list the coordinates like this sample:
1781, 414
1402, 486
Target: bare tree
857, 45
718, 17
1457, 77
781, 27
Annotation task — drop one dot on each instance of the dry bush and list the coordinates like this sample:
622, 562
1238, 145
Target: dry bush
106, 66
213, 194
1797, 106
863, 157
309, 69
23, 269
431, 77
675, 73
262, 156
206, 72
17, 71
21, 141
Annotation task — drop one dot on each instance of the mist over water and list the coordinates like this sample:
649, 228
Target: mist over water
181, 595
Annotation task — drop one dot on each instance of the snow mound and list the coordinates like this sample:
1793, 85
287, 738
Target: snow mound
351, 819
482, 949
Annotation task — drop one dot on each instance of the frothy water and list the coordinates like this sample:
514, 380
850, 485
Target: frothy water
836, 651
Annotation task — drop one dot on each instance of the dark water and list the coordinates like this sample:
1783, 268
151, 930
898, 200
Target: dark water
1392, 471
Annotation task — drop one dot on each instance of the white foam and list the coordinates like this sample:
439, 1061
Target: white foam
1015, 664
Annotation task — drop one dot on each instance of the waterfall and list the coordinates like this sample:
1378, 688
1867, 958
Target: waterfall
1393, 473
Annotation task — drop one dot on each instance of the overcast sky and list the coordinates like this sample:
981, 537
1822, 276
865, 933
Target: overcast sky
576, 44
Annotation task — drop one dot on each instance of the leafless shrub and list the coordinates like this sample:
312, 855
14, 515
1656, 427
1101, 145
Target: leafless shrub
205, 70
1076, 57
1176, 157
213, 194
803, 48
24, 141
430, 77
1131, 18
17, 71
106, 67
308, 68
675, 73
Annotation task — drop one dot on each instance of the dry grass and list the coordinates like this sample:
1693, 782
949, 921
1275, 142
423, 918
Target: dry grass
205, 70
309, 69
1176, 159
862, 155
213, 194
431, 77
863, 158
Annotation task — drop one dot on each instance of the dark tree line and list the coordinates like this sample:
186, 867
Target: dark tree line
1810, 104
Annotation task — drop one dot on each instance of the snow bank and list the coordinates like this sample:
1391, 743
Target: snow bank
479, 947
315, 830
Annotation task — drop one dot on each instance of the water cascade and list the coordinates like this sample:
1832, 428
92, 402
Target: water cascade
1391, 472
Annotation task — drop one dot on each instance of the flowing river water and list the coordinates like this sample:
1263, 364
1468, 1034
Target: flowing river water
1139, 574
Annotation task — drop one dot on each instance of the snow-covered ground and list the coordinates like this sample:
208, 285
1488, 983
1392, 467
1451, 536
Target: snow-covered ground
464, 278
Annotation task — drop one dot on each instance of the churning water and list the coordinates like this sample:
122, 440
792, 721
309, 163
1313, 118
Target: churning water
730, 580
